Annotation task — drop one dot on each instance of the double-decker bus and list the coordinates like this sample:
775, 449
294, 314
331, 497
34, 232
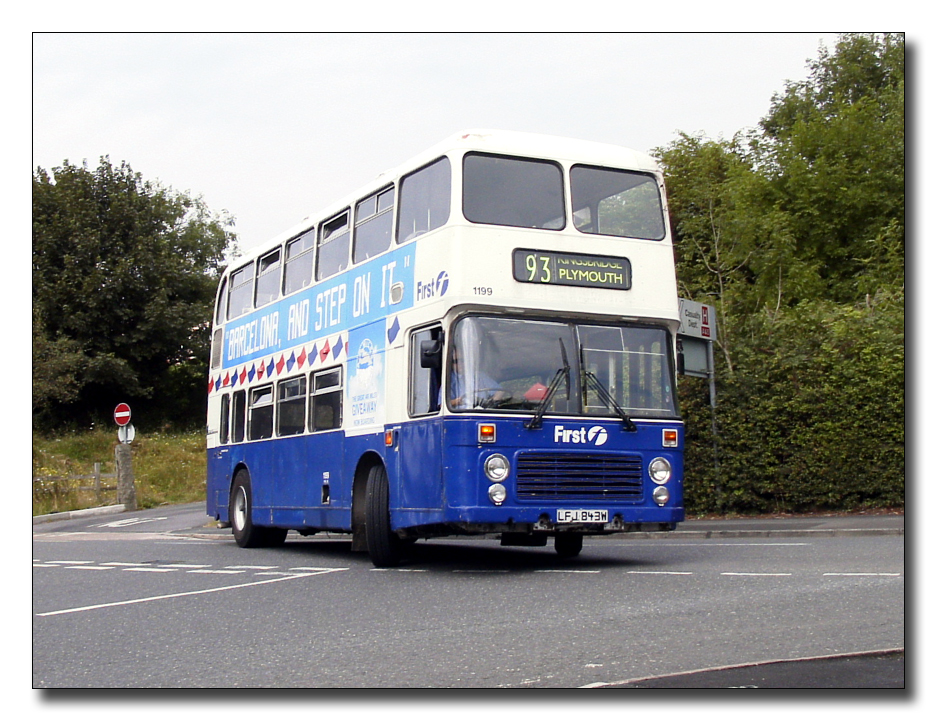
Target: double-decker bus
480, 341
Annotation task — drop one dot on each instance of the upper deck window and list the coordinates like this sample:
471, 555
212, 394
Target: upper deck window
333, 246
508, 191
268, 279
424, 203
240, 296
373, 221
611, 202
298, 270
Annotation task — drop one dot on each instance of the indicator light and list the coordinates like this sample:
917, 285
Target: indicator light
486, 433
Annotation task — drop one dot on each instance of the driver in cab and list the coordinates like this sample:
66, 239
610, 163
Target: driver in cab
481, 392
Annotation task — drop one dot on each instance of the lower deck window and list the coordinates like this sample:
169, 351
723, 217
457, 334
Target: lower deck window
261, 413
291, 406
325, 409
238, 400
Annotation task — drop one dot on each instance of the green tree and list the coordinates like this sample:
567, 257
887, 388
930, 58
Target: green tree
124, 275
795, 231
832, 151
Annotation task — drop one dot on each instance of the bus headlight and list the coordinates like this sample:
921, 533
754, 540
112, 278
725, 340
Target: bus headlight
661, 495
496, 467
497, 494
659, 470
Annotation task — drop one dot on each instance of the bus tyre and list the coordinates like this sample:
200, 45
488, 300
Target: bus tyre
384, 546
568, 544
246, 533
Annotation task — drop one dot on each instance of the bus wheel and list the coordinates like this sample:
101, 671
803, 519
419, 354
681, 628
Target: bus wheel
246, 533
384, 547
568, 544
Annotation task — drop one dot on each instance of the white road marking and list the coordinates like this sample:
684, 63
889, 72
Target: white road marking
128, 522
187, 594
755, 574
666, 573
146, 569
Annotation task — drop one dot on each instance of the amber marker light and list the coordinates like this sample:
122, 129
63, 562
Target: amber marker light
389, 438
486, 433
669, 437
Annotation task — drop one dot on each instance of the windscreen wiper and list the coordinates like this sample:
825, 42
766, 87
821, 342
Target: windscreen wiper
562, 373
606, 398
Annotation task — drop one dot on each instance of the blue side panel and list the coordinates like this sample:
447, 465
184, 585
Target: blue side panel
287, 479
421, 453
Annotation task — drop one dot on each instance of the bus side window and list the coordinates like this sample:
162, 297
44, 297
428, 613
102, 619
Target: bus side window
291, 406
237, 416
222, 300
424, 382
224, 419
325, 410
261, 413
298, 267
218, 343
241, 292
373, 221
425, 200
333, 246
268, 279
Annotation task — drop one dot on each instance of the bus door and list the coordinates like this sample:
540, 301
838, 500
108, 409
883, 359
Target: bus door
421, 438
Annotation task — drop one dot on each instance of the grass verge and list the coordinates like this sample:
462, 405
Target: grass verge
169, 468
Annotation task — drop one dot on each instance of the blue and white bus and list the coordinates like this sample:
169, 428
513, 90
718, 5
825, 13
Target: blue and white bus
480, 341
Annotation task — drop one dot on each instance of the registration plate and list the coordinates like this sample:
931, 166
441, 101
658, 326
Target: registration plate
582, 516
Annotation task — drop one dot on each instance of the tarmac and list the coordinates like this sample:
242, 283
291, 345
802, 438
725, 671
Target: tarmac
875, 669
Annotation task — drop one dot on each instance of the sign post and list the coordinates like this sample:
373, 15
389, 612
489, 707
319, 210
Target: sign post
126, 491
695, 358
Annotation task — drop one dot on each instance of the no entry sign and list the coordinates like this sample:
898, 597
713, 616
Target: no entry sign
122, 414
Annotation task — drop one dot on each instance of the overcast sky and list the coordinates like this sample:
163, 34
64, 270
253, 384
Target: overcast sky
272, 127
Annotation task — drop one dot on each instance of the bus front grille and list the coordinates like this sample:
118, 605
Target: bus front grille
571, 476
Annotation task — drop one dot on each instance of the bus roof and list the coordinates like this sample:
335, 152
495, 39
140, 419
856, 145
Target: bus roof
506, 142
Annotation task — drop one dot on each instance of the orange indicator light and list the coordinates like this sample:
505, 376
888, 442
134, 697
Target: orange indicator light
486, 433
669, 437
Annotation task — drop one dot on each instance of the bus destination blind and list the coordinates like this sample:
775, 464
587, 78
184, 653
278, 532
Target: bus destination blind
571, 269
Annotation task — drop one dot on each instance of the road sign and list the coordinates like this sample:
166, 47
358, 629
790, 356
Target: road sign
126, 434
122, 414
698, 320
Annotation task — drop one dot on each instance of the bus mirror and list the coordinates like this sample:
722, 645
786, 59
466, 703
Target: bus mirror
431, 354
680, 363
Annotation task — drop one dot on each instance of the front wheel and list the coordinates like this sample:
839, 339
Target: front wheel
246, 533
384, 546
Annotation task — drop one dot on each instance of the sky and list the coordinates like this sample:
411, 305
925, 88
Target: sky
273, 127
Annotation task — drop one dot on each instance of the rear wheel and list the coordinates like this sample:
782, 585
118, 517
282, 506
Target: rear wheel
568, 544
246, 533
384, 546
